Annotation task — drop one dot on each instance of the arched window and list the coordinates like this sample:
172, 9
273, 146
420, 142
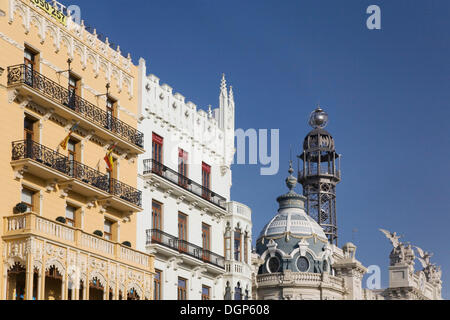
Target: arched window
227, 243
246, 240
132, 295
302, 264
53, 284
227, 292
95, 290
238, 245
16, 282
273, 264
238, 292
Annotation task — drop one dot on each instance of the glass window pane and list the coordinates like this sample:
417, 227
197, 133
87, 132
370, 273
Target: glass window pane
27, 196
70, 212
108, 225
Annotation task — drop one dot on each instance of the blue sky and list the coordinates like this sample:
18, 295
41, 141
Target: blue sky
386, 92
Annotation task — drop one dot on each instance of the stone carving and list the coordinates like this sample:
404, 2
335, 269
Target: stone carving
393, 237
402, 253
432, 272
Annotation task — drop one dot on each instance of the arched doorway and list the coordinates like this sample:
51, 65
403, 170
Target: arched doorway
16, 282
53, 284
81, 291
96, 289
35, 283
132, 295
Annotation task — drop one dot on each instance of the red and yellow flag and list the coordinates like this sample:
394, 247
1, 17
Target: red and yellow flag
109, 159
65, 142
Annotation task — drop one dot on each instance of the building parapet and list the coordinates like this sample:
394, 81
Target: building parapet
31, 224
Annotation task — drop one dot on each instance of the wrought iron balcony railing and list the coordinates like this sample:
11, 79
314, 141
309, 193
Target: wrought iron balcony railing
155, 236
22, 74
153, 166
28, 149
324, 171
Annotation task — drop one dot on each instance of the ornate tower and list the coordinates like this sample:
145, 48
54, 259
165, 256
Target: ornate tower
319, 175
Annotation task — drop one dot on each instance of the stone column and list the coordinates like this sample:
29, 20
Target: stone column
29, 278
39, 285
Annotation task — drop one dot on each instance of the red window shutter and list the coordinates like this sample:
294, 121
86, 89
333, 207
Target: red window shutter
206, 167
158, 139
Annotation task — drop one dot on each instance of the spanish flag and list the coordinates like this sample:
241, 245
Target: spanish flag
65, 142
109, 158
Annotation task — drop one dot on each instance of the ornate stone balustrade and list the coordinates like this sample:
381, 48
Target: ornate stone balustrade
30, 223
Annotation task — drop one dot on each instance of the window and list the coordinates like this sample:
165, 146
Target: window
107, 231
182, 289
157, 153
157, 285
237, 245
29, 60
302, 264
28, 135
206, 241
246, 248
28, 199
28, 126
227, 243
72, 147
73, 90
273, 264
227, 292
70, 215
238, 292
205, 293
182, 168
206, 180
182, 232
156, 221
110, 112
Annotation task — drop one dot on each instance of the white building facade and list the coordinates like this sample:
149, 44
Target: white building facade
185, 176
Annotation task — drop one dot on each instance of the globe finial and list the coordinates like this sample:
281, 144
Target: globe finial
291, 181
318, 118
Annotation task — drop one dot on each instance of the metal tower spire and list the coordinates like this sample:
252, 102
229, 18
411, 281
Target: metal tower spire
320, 175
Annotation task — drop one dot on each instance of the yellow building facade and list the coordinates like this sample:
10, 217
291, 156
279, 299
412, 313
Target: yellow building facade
68, 220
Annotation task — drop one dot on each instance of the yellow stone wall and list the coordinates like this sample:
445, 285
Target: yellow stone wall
50, 203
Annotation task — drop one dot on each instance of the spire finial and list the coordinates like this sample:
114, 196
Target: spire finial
209, 112
291, 181
223, 84
318, 118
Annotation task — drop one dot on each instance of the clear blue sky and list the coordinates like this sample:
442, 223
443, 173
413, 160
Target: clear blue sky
387, 93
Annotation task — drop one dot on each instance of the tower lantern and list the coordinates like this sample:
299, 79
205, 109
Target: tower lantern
319, 174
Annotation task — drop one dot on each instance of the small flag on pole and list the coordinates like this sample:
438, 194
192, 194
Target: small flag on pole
109, 158
65, 142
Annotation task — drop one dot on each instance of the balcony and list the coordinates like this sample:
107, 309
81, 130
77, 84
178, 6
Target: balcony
158, 237
33, 225
48, 93
154, 167
301, 279
324, 172
50, 165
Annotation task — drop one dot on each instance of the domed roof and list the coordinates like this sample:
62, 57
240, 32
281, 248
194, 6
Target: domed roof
291, 217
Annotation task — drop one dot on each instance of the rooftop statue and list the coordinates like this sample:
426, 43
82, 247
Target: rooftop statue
402, 253
393, 237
